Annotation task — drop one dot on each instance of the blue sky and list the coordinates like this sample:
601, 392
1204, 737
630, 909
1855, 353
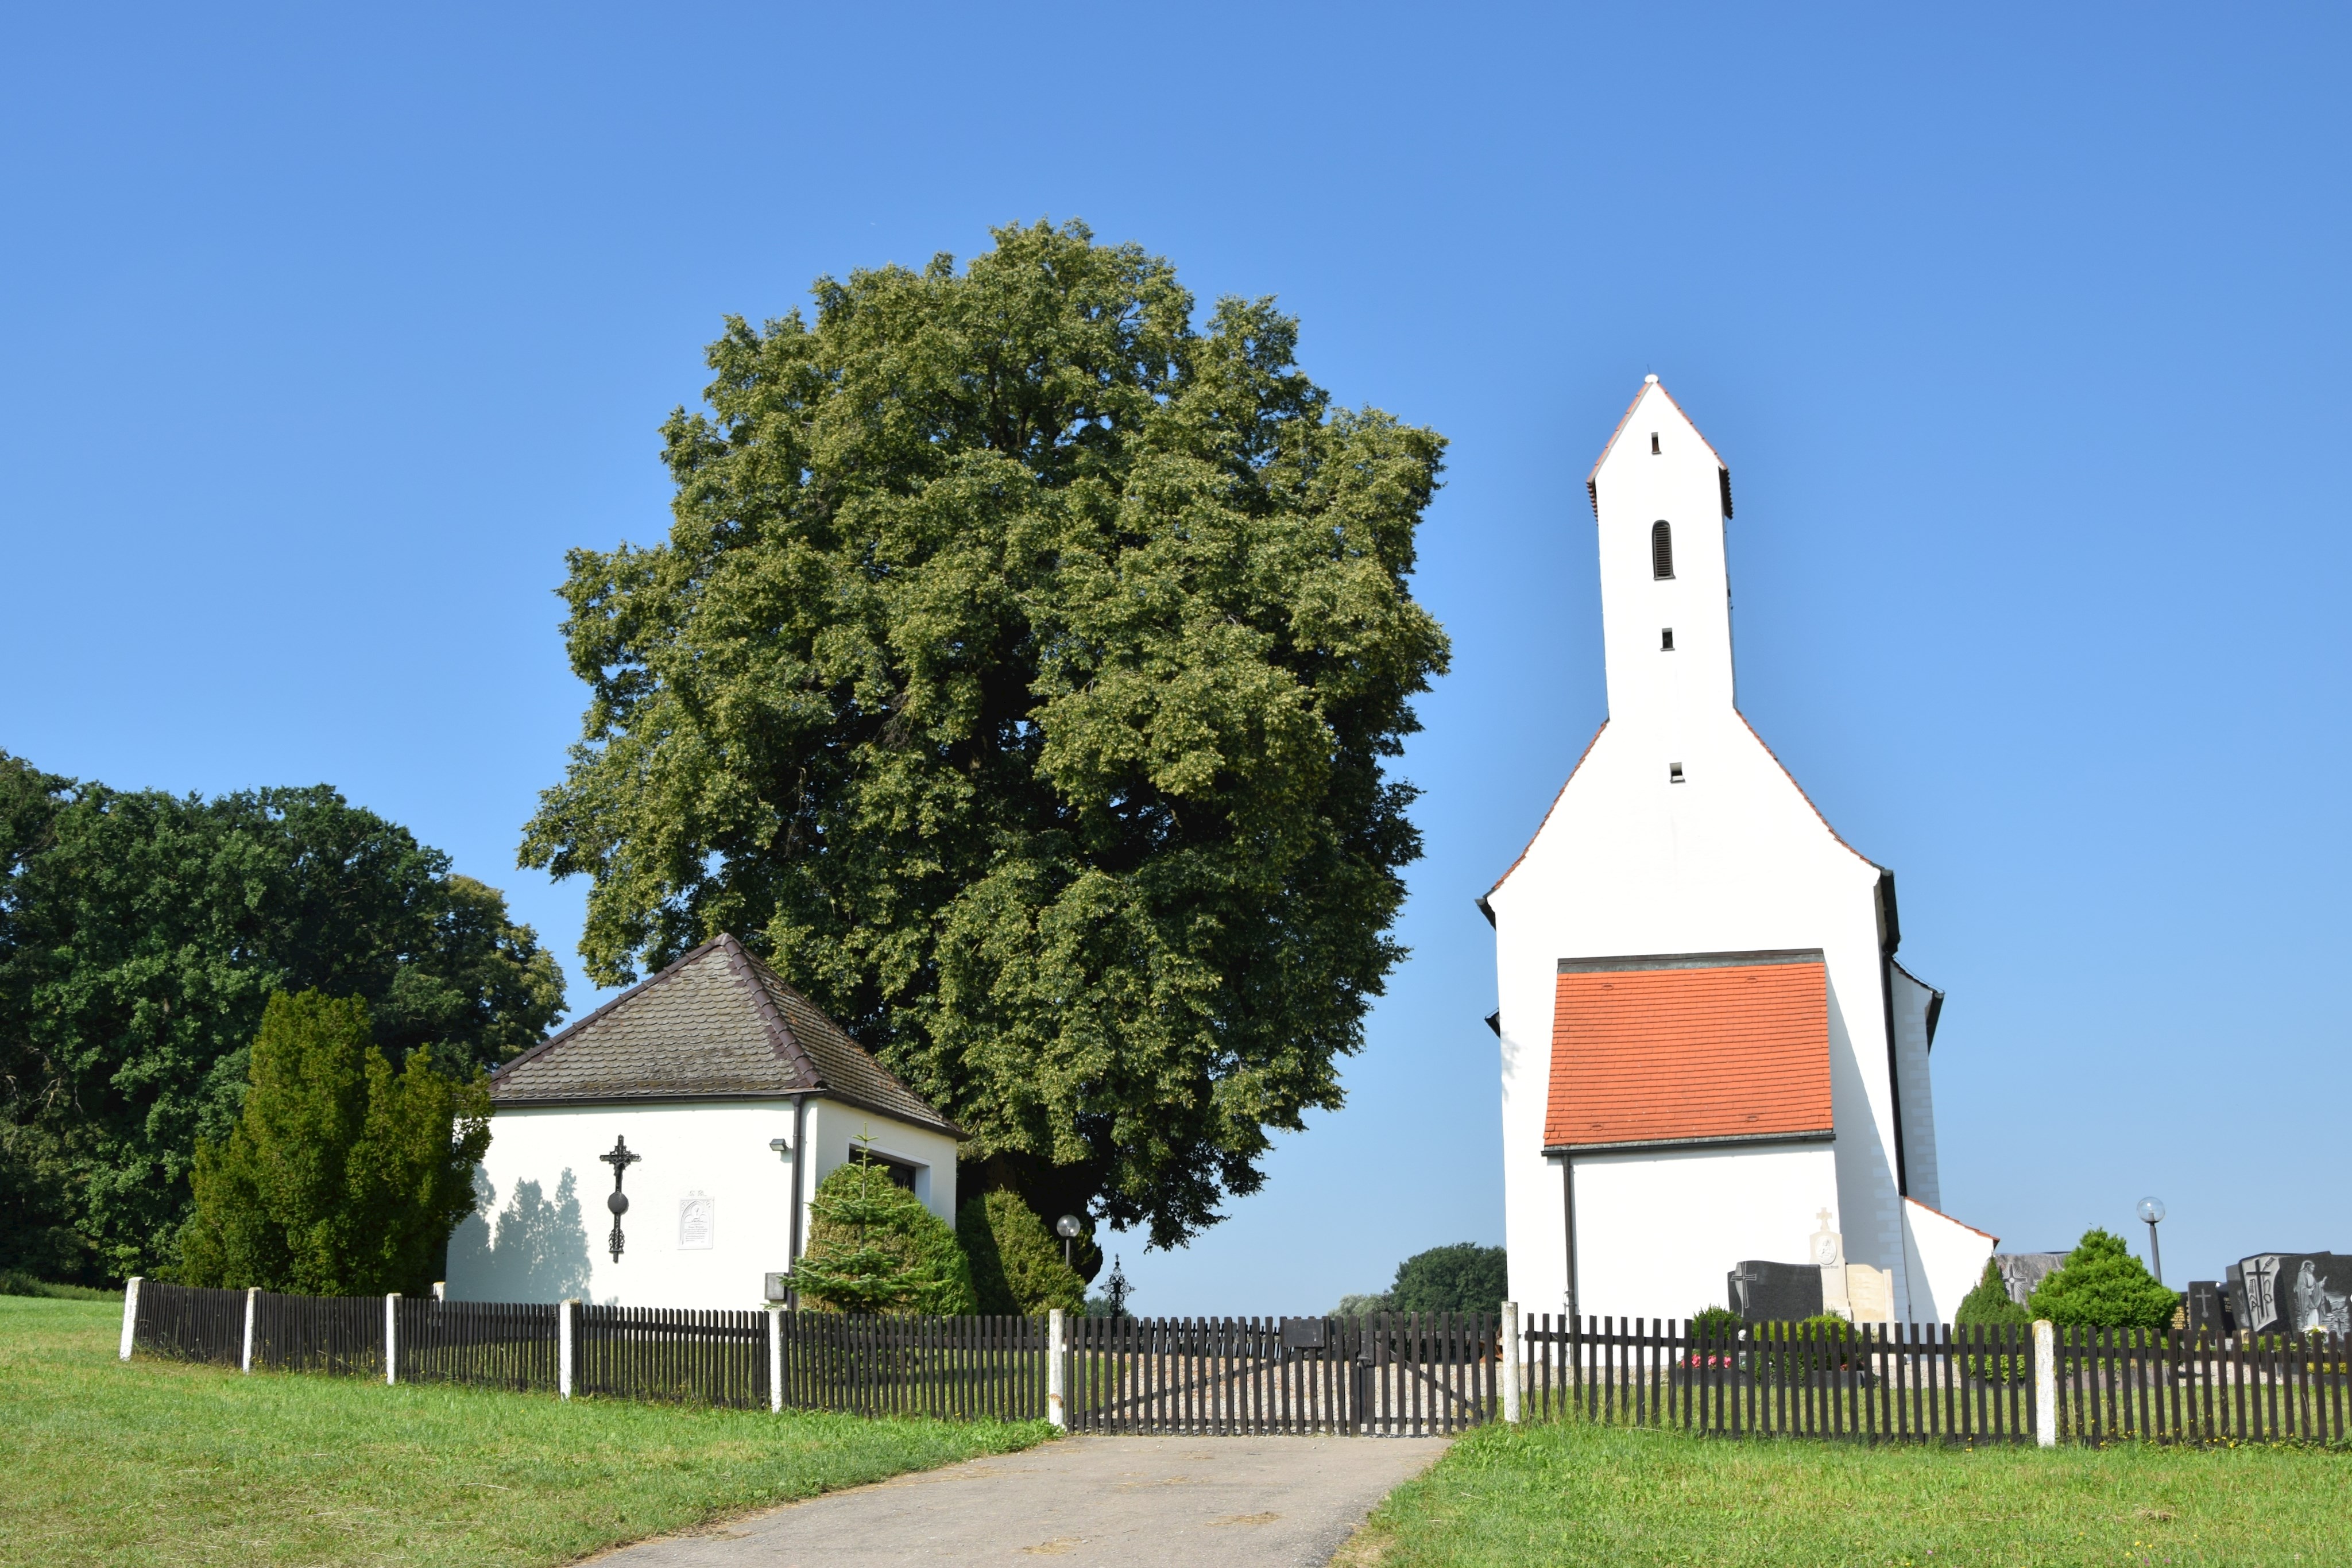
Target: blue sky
322, 336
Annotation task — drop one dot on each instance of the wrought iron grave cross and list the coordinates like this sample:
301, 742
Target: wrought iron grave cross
619, 1159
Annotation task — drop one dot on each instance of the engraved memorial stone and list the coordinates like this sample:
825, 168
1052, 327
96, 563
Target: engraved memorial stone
1775, 1293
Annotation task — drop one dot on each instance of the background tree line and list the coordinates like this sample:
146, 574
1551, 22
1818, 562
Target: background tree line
141, 936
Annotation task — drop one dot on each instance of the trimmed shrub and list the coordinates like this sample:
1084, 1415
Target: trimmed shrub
1990, 1307
1016, 1263
1361, 1306
1791, 1352
2102, 1286
1464, 1278
873, 1247
342, 1176
1716, 1322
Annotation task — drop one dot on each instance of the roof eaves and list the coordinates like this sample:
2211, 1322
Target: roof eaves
1547, 818
1725, 1140
568, 1031
787, 1044
895, 1114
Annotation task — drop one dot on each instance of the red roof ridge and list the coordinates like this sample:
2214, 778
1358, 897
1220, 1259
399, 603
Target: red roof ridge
1549, 809
1592, 480
1961, 1223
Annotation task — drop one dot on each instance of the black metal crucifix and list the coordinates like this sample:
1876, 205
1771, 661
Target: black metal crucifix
619, 1159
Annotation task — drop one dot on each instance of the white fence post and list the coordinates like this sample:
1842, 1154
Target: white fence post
775, 1359
2045, 1383
245, 1361
1056, 1342
563, 1347
1511, 1352
391, 1340
129, 1316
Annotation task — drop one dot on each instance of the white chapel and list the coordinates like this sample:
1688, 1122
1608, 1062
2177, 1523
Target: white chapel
1711, 1054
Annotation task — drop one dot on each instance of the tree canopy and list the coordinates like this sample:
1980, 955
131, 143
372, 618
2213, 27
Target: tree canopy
1017, 676
341, 1177
141, 935
1462, 1278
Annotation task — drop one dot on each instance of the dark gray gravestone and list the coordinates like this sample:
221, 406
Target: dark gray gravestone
2209, 1307
2287, 1292
1775, 1293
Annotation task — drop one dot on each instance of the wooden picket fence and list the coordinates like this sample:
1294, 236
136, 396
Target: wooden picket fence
494, 1345
1386, 1374
969, 1368
2181, 1386
1883, 1382
1934, 1383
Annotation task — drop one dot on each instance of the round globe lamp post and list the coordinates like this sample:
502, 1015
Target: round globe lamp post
2151, 1210
1068, 1228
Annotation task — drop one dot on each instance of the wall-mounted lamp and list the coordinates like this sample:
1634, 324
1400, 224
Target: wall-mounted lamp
782, 1146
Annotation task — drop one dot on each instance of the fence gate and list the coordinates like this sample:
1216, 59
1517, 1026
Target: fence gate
1392, 1374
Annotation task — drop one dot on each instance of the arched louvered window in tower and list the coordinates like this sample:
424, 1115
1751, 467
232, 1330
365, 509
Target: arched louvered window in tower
1662, 550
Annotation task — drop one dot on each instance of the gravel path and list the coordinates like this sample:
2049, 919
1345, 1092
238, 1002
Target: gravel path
1135, 1503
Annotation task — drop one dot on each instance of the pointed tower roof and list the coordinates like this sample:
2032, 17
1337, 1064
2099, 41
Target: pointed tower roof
718, 1024
1652, 384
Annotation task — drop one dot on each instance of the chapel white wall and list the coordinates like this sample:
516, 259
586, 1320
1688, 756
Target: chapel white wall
1948, 1260
1657, 1233
1734, 859
541, 1231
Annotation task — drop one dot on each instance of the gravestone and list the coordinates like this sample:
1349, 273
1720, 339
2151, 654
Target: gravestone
1827, 1249
1775, 1293
2290, 1293
2022, 1271
1869, 1294
2209, 1307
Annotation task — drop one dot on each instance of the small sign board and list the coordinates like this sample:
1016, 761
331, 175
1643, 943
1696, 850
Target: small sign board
1303, 1333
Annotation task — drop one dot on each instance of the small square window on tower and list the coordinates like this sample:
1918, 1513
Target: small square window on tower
1673, 772
1665, 638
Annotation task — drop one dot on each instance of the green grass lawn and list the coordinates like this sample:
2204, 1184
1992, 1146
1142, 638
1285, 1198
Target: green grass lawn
159, 1462
1570, 1495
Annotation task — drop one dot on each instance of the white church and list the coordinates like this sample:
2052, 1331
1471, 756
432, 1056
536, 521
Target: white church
1711, 1054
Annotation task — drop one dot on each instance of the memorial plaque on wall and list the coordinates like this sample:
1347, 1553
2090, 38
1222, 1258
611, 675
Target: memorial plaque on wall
1775, 1293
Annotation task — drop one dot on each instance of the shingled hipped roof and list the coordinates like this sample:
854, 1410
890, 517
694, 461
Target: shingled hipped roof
716, 1025
1705, 1049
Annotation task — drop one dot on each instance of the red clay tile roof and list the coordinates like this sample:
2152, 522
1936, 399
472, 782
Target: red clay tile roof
1711, 1047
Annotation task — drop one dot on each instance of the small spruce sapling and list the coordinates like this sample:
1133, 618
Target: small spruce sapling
873, 1247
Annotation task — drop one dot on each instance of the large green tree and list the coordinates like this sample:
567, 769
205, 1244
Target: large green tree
1018, 676
141, 935
341, 1177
